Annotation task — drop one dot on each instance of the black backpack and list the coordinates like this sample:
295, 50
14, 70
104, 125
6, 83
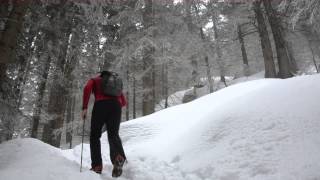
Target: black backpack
111, 83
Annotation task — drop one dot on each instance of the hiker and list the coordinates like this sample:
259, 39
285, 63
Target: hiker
106, 111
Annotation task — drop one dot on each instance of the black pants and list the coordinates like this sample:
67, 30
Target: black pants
105, 112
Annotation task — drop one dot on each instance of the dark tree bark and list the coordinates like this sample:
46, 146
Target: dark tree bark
214, 17
24, 66
313, 56
148, 102
4, 12
3, 79
153, 83
206, 60
72, 119
45, 61
39, 100
285, 70
134, 94
195, 76
128, 95
13, 28
147, 81
218, 48
193, 29
71, 64
58, 90
165, 86
290, 52
209, 76
69, 119
56, 106
243, 47
314, 44
270, 70
188, 18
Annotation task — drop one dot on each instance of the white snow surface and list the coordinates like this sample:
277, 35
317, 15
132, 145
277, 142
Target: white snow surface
259, 130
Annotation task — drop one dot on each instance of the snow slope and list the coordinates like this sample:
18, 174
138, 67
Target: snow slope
31, 159
177, 97
259, 130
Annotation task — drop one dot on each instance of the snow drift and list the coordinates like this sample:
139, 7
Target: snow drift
260, 130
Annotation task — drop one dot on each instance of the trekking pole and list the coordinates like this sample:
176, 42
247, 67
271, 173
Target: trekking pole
84, 120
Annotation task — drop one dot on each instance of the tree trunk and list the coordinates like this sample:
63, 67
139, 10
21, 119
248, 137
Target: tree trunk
134, 94
193, 59
72, 119
45, 63
270, 70
164, 79
290, 52
166, 90
44, 70
4, 12
69, 120
148, 102
24, 68
314, 44
243, 47
22, 77
57, 104
285, 70
147, 81
128, 95
3, 79
13, 27
154, 83
59, 88
195, 75
209, 76
71, 64
206, 60
218, 48
313, 57
188, 18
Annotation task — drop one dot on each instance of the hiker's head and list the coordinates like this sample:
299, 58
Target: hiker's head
106, 68
102, 73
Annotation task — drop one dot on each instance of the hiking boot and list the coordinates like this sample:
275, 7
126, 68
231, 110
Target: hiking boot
117, 166
97, 169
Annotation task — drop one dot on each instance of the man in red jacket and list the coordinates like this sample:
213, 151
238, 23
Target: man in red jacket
106, 110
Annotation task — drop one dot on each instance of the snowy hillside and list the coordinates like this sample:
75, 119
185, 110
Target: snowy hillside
177, 97
259, 130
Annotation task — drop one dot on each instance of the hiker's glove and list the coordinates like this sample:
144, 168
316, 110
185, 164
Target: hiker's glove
84, 114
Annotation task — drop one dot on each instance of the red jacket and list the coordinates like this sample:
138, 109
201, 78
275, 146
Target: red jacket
93, 85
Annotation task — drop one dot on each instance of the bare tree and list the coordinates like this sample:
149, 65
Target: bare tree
270, 71
285, 70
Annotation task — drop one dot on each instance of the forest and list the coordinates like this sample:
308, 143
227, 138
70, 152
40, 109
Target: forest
50, 49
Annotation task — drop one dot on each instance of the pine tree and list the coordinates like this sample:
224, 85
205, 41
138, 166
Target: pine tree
270, 71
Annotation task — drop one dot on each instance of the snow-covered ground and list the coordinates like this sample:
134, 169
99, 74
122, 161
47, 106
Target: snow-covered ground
173, 100
177, 97
259, 130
